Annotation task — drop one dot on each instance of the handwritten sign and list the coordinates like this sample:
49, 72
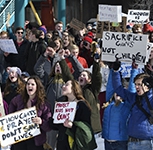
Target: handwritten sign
7, 45
137, 16
76, 24
110, 13
2, 111
126, 68
148, 51
63, 111
124, 46
18, 126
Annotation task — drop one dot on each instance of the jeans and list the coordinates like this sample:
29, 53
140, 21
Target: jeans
117, 145
141, 145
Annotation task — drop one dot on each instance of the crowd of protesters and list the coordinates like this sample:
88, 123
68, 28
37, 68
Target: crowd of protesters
65, 65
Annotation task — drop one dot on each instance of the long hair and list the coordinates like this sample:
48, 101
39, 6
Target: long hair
19, 83
40, 93
77, 91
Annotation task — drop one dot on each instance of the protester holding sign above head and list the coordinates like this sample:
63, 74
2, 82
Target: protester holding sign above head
33, 95
78, 128
140, 120
21, 44
14, 84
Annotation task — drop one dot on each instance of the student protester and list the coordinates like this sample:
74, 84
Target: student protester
74, 50
3, 64
116, 114
81, 123
14, 84
33, 95
35, 49
140, 120
21, 44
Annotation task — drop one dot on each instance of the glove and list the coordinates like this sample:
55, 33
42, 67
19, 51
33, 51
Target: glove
116, 65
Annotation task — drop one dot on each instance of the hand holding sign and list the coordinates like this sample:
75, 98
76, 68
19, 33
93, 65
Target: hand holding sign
64, 111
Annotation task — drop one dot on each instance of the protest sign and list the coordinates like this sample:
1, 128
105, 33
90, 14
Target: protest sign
18, 126
124, 46
7, 45
110, 13
126, 68
63, 111
76, 24
138, 16
148, 51
2, 112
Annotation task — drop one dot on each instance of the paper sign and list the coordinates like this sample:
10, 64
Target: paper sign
138, 16
126, 68
2, 111
7, 45
18, 126
63, 111
110, 13
124, 46
148, 51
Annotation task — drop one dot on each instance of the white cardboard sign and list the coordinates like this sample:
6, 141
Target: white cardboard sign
138, 16
7, 45
110, 13
124, 46
63, 111
18, 126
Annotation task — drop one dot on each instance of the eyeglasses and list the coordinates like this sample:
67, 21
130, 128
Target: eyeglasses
20, 32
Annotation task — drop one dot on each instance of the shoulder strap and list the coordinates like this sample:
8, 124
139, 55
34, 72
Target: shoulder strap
139, 105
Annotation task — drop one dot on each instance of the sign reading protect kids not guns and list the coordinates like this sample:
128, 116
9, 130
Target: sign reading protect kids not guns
63, 111
18, 126
124, 46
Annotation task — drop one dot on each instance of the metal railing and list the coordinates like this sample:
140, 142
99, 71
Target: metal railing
9, 7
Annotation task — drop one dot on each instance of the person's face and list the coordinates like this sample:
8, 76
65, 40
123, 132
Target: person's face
13, 76
140, 88
65, 35
58, 69
83, 78
4, 36
31, 87
59, 27
58, 44
75, 52
151, 54
19, 34
67, 88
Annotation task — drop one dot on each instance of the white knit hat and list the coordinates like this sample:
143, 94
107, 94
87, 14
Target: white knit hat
15, 69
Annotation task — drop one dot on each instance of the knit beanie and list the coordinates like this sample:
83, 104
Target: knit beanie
88, 39
43, 28
15, 69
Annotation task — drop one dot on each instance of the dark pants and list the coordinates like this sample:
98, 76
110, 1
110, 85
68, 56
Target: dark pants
118, 145
26, 145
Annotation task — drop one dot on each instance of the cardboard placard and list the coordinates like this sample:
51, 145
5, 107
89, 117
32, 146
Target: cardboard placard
18, 126
63, 111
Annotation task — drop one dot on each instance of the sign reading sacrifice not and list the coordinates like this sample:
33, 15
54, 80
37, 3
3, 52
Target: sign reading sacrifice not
18, 126
138, 16
124, 46
63, 111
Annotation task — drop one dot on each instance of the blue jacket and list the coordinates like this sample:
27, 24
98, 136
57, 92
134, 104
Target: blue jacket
115, 117
138, 125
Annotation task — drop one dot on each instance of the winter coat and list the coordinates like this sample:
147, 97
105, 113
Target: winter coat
138, 125
115, 117
43, 112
